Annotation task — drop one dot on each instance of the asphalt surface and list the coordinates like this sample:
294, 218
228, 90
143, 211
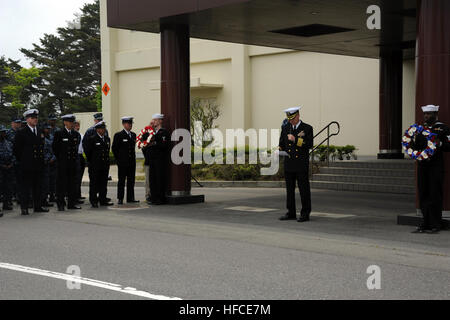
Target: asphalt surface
208, 251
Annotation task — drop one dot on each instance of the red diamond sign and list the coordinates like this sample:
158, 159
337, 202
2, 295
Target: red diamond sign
106, 89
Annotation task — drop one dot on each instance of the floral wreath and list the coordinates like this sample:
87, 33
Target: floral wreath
143, 142
413, 131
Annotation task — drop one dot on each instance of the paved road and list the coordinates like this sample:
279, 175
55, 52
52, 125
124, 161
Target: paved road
208, 251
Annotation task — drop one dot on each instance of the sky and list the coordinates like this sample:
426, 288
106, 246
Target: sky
24, 22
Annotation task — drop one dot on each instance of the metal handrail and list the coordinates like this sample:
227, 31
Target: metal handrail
327, 139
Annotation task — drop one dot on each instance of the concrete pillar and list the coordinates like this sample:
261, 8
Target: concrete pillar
110, 103
241, 87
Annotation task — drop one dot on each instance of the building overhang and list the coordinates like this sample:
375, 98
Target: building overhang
326, 26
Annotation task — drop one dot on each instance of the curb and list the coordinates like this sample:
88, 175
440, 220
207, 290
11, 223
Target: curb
217, 184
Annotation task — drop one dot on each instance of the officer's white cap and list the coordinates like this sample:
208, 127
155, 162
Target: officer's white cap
292, 110
430, 108
158, 116
127, 118
31, 112
68, 117
101, 124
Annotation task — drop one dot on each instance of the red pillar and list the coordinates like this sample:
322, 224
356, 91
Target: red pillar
175, 102
433, 67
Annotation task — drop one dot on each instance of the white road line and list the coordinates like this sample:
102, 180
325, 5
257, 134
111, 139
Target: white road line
86, 281
250, 209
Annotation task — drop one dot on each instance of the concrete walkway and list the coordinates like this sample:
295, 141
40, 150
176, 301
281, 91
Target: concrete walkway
231, 247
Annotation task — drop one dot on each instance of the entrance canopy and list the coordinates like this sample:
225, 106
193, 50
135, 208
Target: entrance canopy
327, 26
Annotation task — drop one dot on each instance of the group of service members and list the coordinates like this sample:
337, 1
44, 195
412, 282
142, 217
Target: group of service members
35, 157
40, 165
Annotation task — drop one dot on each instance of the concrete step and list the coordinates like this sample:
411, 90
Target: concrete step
368, 172
363, 187
403, 181
375, 164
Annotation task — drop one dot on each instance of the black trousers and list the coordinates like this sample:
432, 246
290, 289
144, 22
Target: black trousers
66, 183
45, 187
158, 180
6, 176
81, 166
30, 184
301, 178
15, 182
127, 173
430, 182
52, 175
98, 184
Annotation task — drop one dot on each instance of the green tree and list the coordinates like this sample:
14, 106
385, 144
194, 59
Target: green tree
70, 63
20, 90
5, 80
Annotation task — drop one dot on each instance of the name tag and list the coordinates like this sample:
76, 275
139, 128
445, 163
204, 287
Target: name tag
125, 140
65, 140
97, 144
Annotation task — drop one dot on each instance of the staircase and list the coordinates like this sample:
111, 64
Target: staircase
385, 176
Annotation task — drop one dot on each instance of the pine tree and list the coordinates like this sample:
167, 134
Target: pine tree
70, 64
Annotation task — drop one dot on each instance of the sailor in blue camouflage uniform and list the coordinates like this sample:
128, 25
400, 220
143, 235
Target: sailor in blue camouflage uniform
49, 160
52, 123
431, 172
53, 169
16, 124
6, 168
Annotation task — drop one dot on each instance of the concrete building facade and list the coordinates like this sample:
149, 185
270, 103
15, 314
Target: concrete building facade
252, 85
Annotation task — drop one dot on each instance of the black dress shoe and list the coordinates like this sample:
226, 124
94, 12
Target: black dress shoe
94, 205
119, 201
47, 204
1, 214
108, 199
433, 231
25, 212
133, 201
106, 204
288, 217
82, 198
74, 208
41, 210
420, 229
303, 219
79, 202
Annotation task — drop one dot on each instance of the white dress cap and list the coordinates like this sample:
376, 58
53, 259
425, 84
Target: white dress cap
430, 108
292, 110
31, 112
68, 117
158, 116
